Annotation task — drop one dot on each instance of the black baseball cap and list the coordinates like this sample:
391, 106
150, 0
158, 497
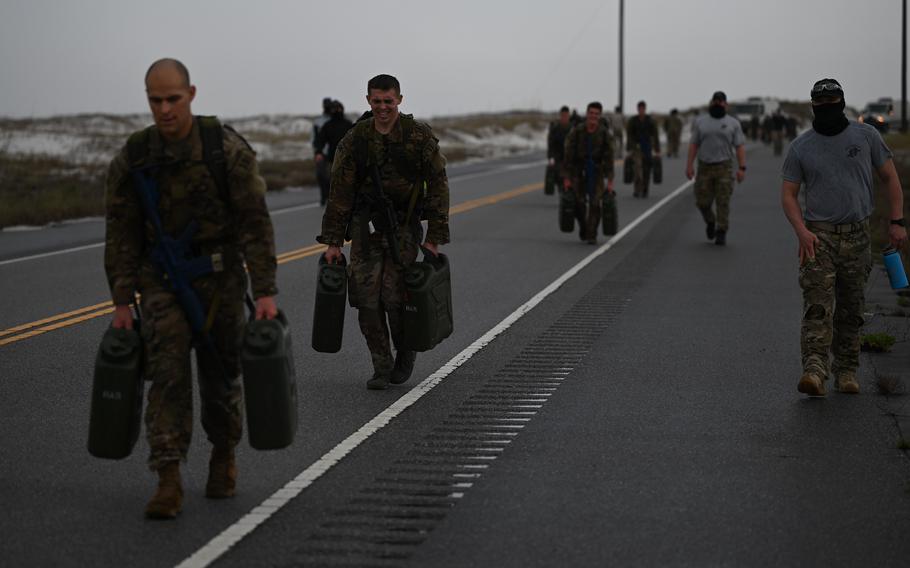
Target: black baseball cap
826, 88
719, 96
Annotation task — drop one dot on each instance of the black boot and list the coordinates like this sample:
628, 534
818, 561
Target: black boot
721, 238
404, 366
709, 231
379, 381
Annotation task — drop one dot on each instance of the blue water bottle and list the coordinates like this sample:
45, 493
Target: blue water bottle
895, 267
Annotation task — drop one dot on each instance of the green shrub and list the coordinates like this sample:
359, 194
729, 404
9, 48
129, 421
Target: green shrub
877, 342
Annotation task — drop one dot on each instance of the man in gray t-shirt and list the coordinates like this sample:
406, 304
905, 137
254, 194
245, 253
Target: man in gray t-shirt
833, 162
716, 138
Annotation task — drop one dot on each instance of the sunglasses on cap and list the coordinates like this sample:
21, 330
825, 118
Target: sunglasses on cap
820, 88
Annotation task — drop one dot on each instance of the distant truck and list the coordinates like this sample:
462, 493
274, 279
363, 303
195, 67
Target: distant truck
752, 114
881, 114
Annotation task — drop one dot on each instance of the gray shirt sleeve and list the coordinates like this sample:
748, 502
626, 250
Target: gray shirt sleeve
879, 150
792, 170
695, 137
738, 138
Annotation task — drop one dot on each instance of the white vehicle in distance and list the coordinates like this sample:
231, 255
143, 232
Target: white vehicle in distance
880, 114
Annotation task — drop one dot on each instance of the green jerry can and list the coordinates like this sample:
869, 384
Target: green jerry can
657, 170
549, 183
610, 217
427, 310
269, 383
117, 390
331, 300
628, 169
566, 211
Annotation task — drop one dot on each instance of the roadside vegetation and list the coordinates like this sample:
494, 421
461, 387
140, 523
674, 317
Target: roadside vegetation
68, 182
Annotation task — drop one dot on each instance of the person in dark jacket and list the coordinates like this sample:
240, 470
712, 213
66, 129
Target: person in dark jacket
327, 139
643, 143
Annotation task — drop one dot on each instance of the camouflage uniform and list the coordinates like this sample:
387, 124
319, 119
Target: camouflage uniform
642, 139
409, 160
556, 145
714, 184
673, 126
833, 284
617, 125
580, 147
241, 231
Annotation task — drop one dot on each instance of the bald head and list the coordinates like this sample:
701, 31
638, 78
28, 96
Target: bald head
169, 93
168, 64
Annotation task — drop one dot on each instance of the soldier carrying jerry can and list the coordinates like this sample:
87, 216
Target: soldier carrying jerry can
388, 175
588, 160
185, 212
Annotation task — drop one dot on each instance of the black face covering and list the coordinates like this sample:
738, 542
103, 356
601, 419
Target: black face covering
717, 111
830, 118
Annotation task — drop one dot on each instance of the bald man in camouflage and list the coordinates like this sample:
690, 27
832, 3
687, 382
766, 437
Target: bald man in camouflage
233, 228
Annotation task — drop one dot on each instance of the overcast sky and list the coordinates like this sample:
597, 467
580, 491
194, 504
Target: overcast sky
452, 57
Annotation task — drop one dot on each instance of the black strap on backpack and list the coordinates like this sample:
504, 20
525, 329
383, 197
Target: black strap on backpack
212, 134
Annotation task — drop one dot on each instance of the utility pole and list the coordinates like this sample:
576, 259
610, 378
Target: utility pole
621, 42
903, 67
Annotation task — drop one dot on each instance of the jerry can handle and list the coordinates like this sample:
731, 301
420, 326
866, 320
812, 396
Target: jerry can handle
342, 262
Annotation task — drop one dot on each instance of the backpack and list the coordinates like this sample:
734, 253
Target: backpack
212, 133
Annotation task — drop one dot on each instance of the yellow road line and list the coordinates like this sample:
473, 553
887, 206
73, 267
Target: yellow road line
25, 326
28, 330
475, 203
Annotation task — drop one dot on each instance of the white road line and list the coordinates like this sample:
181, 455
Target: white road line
293, 208
282, 211
52, 253
216, 547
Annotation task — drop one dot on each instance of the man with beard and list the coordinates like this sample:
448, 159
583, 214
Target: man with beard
715, 139
588, 160
834, 163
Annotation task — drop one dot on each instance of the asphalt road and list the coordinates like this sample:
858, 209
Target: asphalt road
643, 413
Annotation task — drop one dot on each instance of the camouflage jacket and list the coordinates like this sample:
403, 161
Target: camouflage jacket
637, 129
556, 140
576, 151
673, 125
240, 228
405, 165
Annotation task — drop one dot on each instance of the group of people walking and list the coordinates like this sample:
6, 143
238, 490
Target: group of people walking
191, 180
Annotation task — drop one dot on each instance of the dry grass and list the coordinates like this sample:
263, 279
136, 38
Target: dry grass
39, 190
291, 173
36, 190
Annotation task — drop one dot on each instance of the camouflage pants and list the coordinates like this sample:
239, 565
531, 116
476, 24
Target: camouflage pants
777, 138
642, 165
324, 179
553, 180
168, 340
714, 184
588, 205
673, 144
833, 300
376, 289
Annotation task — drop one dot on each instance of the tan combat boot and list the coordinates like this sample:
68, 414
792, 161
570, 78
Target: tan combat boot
847, 383
168, 500
222, 474
811, 384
